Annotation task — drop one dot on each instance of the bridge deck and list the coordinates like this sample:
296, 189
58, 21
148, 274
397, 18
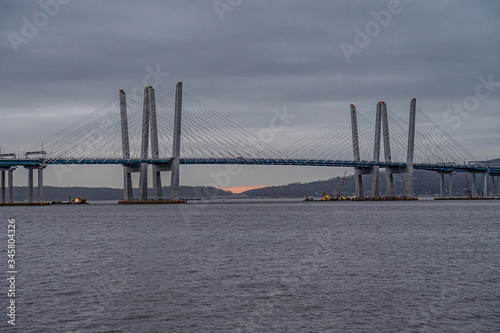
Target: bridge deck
7, 163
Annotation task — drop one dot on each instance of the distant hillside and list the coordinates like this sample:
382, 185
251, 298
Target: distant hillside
426, 184
51, 193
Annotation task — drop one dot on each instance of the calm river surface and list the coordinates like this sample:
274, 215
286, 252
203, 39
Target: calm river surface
256, 267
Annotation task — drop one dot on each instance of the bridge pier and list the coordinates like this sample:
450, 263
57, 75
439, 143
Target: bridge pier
358, 183
358, 172
450, 185
30, 185
30, 170
485, 184
498, 187
411, 149
492, 185
40, 183
473, 185
2, 186
11, 184
441, 185
175, 166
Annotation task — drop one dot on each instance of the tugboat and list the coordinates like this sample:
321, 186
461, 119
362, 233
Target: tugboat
78, 201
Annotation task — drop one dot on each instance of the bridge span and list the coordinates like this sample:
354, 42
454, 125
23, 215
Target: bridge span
427, 147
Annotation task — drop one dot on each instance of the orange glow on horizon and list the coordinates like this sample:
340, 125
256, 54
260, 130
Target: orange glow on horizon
241, 189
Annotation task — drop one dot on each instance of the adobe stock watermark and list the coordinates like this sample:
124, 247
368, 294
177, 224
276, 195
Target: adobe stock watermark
223, 6
277, 124
91, 139
471, 103
30, 28
222, 179
372, 29
95, 136
154, 78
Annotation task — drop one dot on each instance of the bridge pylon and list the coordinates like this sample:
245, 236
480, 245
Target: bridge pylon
358, 172
127, 169
389, 175
376, 152
175, 166
408, 190
150, 134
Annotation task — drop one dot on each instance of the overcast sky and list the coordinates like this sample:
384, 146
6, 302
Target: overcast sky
244, 58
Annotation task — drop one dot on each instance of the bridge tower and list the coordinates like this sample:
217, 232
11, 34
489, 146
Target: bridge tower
127, 169
175, 166
150, 133
411, 149
149, 128
387, 152
358, 172
376, 152
143, 174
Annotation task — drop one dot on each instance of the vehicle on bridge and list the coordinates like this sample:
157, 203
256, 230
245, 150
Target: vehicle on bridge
7, 155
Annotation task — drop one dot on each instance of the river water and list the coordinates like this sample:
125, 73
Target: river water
265, 266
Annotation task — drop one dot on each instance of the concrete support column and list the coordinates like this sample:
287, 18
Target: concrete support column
376, 152
128, 193
174, 180
143, 177
40, 184
127, 177
157, 190
411, 149
358, 183
2, 186
358, 177
450, 185
30, 185
473, 185
485, 184
441, 184
498, 189
11, 185
155, 150
387, 150
492, 186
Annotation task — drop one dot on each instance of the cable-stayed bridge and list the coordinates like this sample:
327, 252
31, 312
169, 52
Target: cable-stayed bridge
177, 129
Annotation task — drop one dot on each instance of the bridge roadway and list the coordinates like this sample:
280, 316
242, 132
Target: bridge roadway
6, 163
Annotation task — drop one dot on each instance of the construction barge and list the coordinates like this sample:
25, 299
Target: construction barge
326, 197
151, 202
25, 204
465, 198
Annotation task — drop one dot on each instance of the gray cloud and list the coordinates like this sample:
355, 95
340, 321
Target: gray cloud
263, 55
